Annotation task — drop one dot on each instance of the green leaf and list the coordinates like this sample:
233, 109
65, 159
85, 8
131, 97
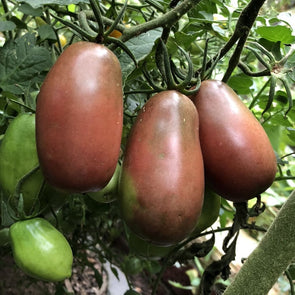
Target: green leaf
7, 26
115, 272
21, 63
29, 10
39, 3
140, 46
274, 134
18, 22
240, 83
46, 32
291, 134
280, 119
276, 33
185, 40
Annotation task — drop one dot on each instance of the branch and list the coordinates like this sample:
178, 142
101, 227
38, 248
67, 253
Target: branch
271, 257
244, 25
245, 69
235, 58
167, 19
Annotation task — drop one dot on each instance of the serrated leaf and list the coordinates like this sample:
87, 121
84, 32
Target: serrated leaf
276, 33
140, 46
7, 26
21, 63
40, 3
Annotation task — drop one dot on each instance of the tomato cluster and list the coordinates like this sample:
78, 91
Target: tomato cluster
176, 144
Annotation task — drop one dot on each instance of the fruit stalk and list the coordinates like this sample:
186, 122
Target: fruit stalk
271, 257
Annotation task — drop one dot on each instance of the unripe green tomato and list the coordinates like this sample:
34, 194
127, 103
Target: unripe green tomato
18, 156
198, 47
40, 250
210, 211
109, 192
132, 265
143, 248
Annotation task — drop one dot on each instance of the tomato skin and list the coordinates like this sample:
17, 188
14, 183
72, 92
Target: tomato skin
238, 157
18, 156
210, 211
79, 118
40, 250
146, 249
162, 180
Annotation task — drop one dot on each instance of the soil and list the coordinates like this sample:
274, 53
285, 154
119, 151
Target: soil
83, 282
15, 282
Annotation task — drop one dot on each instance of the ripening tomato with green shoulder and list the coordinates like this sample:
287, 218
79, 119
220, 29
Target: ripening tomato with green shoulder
162, 180
239, 160
40, 250
79, 118
18, 157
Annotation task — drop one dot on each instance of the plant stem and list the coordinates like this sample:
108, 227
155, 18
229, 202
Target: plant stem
244, 23
6, 10
235, 58
166, 19
280, 178
271, 257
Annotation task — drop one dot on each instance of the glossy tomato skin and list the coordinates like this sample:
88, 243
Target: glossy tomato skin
79, 118
40, 250
162, 179
18, 156
239, 160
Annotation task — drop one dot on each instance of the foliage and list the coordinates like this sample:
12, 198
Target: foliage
164, 44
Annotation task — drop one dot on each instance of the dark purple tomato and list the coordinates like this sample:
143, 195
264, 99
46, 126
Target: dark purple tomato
79, 118
238, 157
162, 181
